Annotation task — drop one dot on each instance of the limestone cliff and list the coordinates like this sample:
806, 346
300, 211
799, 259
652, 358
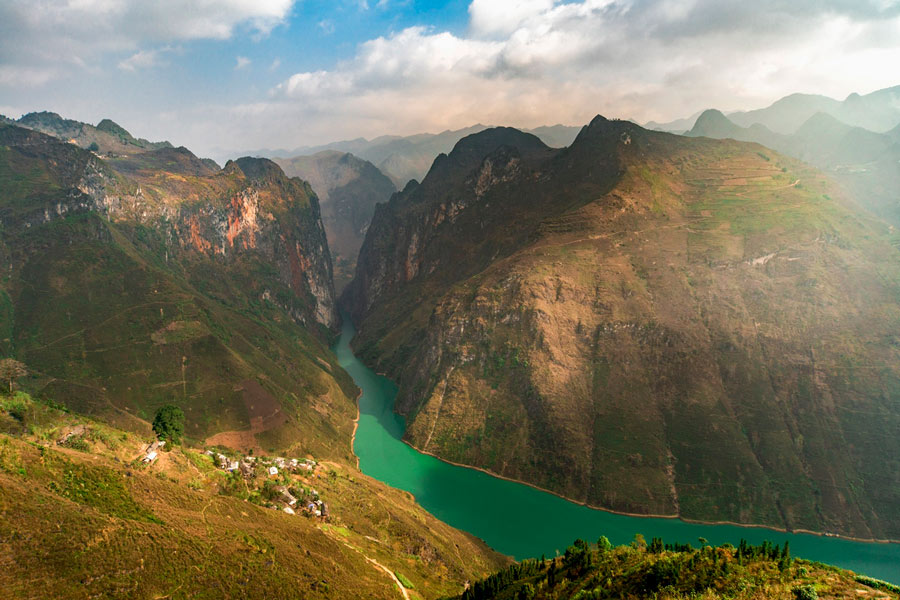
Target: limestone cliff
348, 189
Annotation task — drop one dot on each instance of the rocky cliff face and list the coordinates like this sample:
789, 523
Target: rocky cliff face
248, 211
646, 323
348, 189
156, 278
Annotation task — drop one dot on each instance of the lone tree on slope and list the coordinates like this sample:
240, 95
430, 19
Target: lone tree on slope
169, 423
10, 370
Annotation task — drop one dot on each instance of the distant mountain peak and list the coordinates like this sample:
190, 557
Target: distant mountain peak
713, 123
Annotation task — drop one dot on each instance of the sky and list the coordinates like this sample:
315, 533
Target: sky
225, 76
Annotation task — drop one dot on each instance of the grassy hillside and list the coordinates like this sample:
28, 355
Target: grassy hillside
588, 571
86, 518
647, 323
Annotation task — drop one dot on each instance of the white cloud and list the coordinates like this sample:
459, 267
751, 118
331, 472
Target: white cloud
502, 17
534, 62
241, 62
326, 25
275, 64
144, 59
50, 34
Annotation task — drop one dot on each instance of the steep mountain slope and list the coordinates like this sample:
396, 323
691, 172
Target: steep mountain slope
867, 163
87, 519
150, 279
644, 322
348, 189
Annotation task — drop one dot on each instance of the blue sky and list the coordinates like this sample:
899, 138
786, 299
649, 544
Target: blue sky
235, 75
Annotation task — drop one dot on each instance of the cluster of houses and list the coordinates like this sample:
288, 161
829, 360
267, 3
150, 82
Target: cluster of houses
273, 467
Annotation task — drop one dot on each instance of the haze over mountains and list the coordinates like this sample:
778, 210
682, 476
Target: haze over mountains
348, 189
878, 111
409, 157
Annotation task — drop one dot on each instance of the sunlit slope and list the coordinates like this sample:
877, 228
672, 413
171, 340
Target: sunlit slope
95, 522
646, 323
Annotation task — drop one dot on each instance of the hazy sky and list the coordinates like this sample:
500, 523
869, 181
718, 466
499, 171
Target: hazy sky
219, 75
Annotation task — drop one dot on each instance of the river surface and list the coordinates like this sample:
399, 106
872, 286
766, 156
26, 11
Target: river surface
524, 522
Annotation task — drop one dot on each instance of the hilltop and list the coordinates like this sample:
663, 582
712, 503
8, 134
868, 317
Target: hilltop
644, 322
107, 137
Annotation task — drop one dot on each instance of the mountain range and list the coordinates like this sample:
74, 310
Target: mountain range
865, 162
409, 157
878, 111
700, 326
644, 322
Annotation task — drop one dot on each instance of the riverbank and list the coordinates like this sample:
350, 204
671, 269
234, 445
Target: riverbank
525, 521
649, 515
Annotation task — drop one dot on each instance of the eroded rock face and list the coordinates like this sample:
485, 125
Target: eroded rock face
228, 216
646, 323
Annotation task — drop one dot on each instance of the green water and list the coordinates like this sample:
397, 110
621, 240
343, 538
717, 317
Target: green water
524, 522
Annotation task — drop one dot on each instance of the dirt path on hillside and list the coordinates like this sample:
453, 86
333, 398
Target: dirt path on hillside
374, 562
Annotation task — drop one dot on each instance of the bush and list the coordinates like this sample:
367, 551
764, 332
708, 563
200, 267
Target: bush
406, 582
877, 584
806, 592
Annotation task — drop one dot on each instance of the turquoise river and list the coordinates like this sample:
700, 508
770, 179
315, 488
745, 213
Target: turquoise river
522, 521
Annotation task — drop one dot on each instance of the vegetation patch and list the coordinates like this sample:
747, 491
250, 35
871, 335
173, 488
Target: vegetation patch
97, 487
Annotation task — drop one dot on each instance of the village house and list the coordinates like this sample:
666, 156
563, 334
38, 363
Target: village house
150, 452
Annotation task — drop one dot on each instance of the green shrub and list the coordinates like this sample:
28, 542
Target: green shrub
406, 582
877, 584
806, 592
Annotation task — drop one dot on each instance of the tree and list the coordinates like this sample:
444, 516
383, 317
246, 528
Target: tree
603, 544
10, 370
94, 147
169, 423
